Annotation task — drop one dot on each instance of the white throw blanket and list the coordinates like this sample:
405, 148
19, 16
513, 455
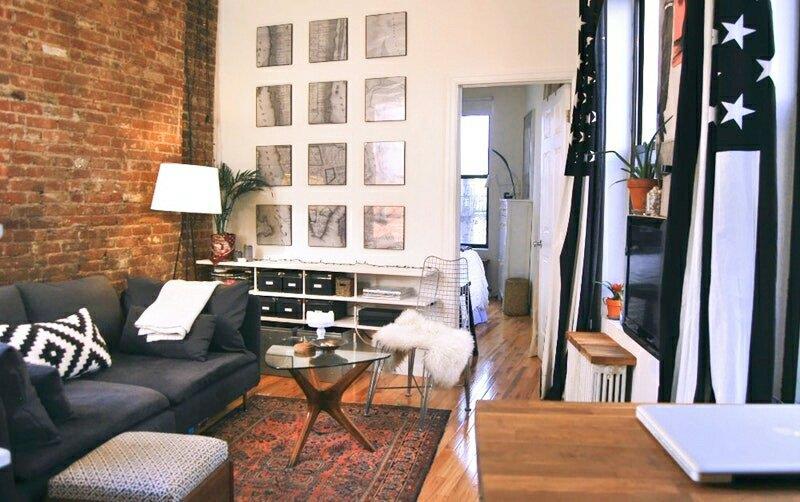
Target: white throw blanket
178, 304
446, 351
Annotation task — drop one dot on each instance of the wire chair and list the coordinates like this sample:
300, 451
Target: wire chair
443, 297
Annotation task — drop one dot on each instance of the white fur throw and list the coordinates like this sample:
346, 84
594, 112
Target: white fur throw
445, 351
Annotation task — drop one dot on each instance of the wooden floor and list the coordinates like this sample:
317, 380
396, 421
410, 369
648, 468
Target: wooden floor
502, 371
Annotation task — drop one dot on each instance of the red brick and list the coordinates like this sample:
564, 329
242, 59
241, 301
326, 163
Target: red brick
84, 135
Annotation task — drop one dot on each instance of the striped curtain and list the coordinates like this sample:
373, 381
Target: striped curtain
719, 289
579, 261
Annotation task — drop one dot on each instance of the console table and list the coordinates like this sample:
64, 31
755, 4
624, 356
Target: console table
530, 450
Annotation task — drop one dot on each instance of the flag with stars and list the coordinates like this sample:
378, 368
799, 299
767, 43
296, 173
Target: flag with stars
739, 220
581, 157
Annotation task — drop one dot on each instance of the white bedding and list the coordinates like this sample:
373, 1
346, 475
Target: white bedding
479, 286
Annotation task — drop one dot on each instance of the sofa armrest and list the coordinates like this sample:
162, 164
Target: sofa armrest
251, 327
7, 489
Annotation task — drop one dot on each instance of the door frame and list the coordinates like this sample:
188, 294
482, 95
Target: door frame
452, 189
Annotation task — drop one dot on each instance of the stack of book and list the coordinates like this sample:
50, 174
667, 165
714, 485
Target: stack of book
227, 275
387, 293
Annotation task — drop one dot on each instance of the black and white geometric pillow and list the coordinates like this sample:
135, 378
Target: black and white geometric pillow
72, 345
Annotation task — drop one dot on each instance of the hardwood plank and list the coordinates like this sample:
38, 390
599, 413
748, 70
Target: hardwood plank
600, 349
503, 370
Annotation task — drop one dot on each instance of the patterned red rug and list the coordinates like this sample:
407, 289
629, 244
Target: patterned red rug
332, 465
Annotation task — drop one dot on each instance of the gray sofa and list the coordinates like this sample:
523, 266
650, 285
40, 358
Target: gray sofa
135, 393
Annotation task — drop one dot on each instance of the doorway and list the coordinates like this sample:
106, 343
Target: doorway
509, 134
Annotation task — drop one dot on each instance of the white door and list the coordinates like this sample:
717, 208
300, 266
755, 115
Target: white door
549, 182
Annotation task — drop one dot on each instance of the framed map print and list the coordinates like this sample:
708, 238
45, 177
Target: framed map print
385, 163
386, 35
327, 226
384, 227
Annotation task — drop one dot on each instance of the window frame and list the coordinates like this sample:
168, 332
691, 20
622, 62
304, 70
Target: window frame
462, 177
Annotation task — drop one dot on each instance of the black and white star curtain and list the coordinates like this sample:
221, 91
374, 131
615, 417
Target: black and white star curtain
580, 257
724, 307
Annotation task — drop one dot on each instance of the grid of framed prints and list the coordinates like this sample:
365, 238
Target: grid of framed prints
386, 36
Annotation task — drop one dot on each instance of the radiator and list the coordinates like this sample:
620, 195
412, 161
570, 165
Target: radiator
593, 383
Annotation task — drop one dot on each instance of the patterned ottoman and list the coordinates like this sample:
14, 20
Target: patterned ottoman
149, 466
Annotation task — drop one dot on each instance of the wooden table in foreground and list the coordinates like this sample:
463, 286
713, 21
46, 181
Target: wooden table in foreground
531, 450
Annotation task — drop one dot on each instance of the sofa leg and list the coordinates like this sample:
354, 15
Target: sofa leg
244, 401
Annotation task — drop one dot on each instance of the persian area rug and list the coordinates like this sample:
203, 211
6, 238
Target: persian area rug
332, 465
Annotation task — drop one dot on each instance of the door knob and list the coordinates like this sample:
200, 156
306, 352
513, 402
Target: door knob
536, 244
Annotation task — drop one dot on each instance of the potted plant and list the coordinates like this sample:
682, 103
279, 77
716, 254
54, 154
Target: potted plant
231, 187
644, 172
614, 302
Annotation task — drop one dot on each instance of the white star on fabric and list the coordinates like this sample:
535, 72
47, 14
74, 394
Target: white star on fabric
766, 69
737, 31
736, 111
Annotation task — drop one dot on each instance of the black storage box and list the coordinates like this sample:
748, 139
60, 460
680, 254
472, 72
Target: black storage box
269, 280
291, 308
292, 282
374, 316
268, 306
339, 308
320, 283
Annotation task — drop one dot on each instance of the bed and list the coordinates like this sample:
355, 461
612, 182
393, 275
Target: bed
479, 286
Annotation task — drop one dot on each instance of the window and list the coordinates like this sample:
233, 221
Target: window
474, 180
653, 65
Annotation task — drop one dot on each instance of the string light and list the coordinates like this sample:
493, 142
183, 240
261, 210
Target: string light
333, 263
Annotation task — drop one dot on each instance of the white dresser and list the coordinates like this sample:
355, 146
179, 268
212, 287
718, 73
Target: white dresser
514, 254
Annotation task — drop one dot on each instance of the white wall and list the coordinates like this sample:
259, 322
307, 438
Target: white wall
644, 386
784, 74
447, 40
509, 107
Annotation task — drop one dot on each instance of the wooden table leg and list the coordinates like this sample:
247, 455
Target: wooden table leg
329, 401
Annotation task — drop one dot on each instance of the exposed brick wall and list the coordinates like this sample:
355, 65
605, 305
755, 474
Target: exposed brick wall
92, 100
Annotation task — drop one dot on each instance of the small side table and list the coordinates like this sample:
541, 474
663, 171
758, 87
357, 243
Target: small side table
597, 368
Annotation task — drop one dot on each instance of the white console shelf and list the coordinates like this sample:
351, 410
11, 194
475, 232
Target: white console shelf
363, 275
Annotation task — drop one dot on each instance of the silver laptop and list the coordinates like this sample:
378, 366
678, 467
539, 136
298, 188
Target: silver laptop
714, 442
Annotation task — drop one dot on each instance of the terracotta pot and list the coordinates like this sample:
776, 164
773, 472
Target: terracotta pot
614, 307
638, 189
222, 247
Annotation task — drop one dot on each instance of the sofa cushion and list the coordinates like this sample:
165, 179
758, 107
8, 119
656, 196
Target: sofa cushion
12, 310
177, 379
101, 411
46, 302
72, 345
194, 346
50, 389
228, 304
29, 425
141, 292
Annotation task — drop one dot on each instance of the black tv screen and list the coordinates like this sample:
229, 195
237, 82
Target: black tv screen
645, 253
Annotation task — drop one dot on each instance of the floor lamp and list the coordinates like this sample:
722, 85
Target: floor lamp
189, 190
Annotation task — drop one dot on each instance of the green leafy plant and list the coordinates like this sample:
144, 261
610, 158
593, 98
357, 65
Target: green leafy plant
616, 289
645, 164
231, 187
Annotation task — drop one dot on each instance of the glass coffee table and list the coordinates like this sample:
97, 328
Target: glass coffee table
319, 395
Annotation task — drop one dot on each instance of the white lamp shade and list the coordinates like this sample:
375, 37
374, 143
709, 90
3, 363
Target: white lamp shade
184, 188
